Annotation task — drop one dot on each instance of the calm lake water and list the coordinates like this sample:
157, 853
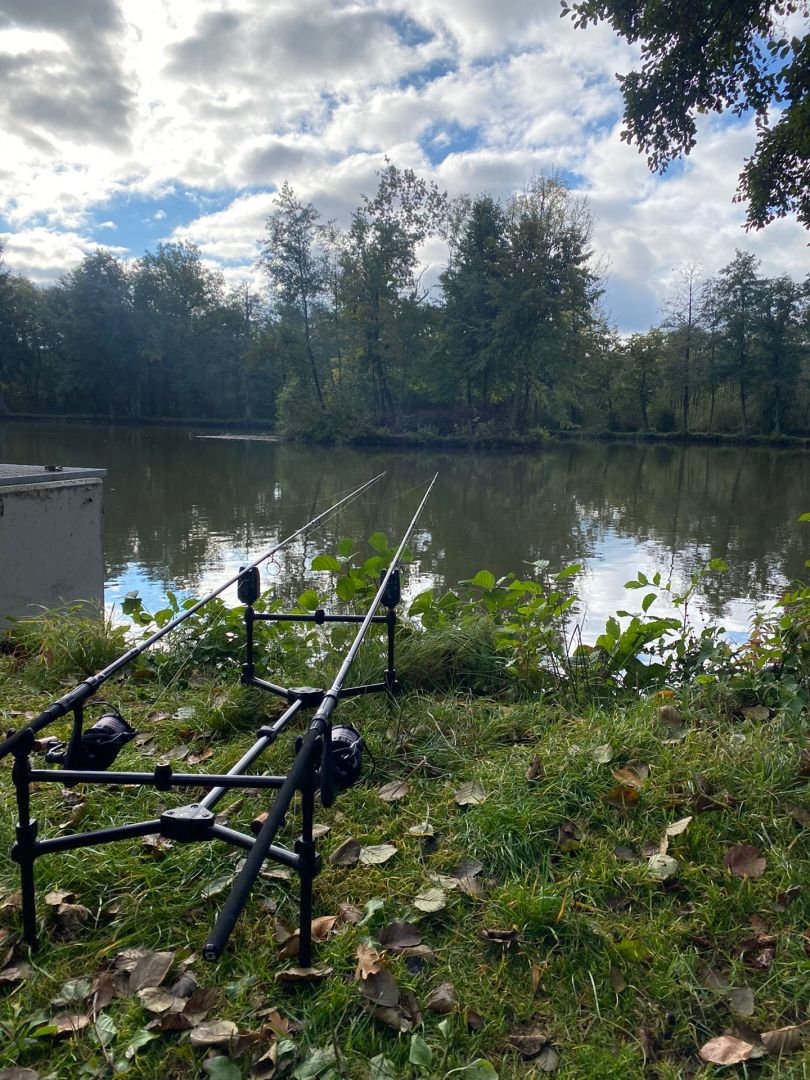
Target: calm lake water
183, 511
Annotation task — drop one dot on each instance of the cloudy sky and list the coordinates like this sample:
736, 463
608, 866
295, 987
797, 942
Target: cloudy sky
127, 122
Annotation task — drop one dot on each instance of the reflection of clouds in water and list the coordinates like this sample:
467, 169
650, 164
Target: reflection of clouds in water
152, 593
600, 588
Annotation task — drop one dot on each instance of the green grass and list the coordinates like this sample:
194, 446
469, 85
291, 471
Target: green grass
581, 915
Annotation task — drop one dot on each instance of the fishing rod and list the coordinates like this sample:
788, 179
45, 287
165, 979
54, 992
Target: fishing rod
76, 697
327, 758
316, 746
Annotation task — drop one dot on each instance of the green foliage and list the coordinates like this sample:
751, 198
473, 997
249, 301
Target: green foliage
66, 641
723, 56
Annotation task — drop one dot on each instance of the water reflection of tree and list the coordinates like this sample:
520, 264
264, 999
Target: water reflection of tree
174, 503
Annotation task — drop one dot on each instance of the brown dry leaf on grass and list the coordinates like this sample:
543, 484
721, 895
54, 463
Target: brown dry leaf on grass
368, 961
290, 942
380, 988
622, 797
399, 935
442, 1000
727, 1050
397, 789
470, 794
569, 837
502, 937
145, 968
303, 975
69, 1023
744, 860
782, 1040
346, 854
215, 1033
632, 775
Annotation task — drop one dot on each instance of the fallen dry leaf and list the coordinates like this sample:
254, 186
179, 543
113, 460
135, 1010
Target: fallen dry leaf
149, 970
375, 854
569, 836
424, 828
57, 897
661, 867
678, 827
741, 1001
470, 794
430, 900
625, 854
744, 860
442, 1000
399, 935
368, 961
349, 913
397, 789
726, 1050
157, 1000
786, 898
70, 1023
528, 1040
782, 1040
303, 975
622, 797
602, 754
380, 988
346, 854
632, 775
502, 937
214, 1033
617, 979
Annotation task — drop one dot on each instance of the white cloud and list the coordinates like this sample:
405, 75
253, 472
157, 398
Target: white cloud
43, 254
107, 100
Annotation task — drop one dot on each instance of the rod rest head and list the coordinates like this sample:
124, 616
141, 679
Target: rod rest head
187, 823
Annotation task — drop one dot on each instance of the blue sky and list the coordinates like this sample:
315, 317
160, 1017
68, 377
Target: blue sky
126, 123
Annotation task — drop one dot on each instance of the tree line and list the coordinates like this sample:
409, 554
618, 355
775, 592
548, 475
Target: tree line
354, 336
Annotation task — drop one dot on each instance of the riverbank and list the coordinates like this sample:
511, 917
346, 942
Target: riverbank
552, 873
487, 438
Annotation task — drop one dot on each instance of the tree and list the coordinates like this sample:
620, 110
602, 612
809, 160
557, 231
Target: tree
779, 346
681, 321
295, 267
700, 56
546, 294
739, 290
176, 299
98, 330
381, 267
469, 285
643, 353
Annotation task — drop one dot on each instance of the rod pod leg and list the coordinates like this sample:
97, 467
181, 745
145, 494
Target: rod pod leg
308, 868
24, 850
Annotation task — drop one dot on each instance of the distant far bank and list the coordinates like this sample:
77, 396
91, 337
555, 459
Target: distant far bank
256, 430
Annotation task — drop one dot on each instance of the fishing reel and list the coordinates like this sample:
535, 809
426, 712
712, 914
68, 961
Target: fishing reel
98, 747
347, 756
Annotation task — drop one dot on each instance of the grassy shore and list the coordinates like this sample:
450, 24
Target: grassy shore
592, 891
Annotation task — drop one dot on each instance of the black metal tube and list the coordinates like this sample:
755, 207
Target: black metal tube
98, 836
330, 699
213, 796
79, 694
237, 898
180, 780
25, 848
275, 852
262, 616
